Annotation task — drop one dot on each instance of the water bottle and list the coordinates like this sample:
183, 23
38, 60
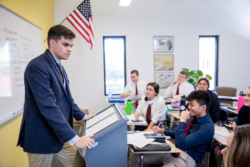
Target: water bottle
241, 101
183, 103
109, 93
128, 107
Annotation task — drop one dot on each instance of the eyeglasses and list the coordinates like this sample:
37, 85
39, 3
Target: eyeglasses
181, 76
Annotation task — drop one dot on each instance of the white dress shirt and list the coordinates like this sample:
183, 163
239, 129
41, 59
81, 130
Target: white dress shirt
158, 108
185, 88
141, 87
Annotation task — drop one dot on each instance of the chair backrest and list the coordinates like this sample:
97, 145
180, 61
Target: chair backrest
168, 118
223, 115
226, 91
210, 146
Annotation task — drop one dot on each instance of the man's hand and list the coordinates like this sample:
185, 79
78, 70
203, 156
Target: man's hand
174, 82
185, 115
158, 130
90, 116
85, 142
131, 95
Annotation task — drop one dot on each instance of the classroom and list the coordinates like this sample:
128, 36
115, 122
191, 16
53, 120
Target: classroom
139, 26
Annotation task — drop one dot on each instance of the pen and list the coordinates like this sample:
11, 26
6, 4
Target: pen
159, 125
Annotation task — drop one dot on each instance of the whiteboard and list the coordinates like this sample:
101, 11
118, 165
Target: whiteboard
20, 41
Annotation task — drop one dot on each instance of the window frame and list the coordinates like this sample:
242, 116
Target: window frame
104, 67
216, 56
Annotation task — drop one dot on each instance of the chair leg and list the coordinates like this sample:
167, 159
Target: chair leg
141, 160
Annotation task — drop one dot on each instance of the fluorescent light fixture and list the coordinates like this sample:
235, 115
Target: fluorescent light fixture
125, 2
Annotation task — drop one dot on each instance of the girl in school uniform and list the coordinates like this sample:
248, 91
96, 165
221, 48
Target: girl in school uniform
152, 107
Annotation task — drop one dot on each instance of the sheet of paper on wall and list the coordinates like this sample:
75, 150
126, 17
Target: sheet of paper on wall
100, 117
102, 124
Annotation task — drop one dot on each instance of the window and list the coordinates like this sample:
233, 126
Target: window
208, 58
114, 57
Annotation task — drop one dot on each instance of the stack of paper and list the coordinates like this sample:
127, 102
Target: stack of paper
138, 139
221, 134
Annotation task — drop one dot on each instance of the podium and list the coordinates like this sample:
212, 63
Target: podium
111, 141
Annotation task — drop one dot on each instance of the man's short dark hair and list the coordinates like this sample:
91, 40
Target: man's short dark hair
57, 31
134, 71
201, 96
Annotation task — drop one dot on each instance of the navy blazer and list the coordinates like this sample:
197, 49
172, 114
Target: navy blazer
49, 108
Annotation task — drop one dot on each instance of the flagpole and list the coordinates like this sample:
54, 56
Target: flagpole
63, 21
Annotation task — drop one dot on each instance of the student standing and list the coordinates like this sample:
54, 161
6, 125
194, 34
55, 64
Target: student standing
134, 88
179, 87
47, 124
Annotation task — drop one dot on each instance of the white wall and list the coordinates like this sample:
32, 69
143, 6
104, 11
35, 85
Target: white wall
185, 20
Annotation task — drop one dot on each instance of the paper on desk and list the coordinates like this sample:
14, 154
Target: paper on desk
136, 97
153, 142
102, 124
220, 139
138, 139
100, 116
222, 133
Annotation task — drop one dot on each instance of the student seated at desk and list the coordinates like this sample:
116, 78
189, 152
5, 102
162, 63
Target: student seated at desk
242, 118
179, 87
152, 106
237, 151
244, 112
214, 108
194, 135
134, 88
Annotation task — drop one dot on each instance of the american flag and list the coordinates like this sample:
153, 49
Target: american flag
81, 19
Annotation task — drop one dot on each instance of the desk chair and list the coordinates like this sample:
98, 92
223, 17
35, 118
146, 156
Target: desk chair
226, 91
206, 158
223, 116
168, 118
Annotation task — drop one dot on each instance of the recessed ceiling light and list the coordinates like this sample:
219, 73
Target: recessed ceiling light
125, 2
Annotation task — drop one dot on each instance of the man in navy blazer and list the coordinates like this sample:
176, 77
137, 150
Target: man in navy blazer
49, 108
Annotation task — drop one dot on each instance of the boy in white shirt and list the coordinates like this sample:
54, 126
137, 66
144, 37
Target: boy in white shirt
179, 87
134, 88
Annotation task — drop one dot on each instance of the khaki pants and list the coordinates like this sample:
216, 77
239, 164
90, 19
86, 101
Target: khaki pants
184, 160
68, 156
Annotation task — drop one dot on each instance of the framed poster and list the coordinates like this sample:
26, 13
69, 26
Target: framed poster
164, 62
163, 44
164, 79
